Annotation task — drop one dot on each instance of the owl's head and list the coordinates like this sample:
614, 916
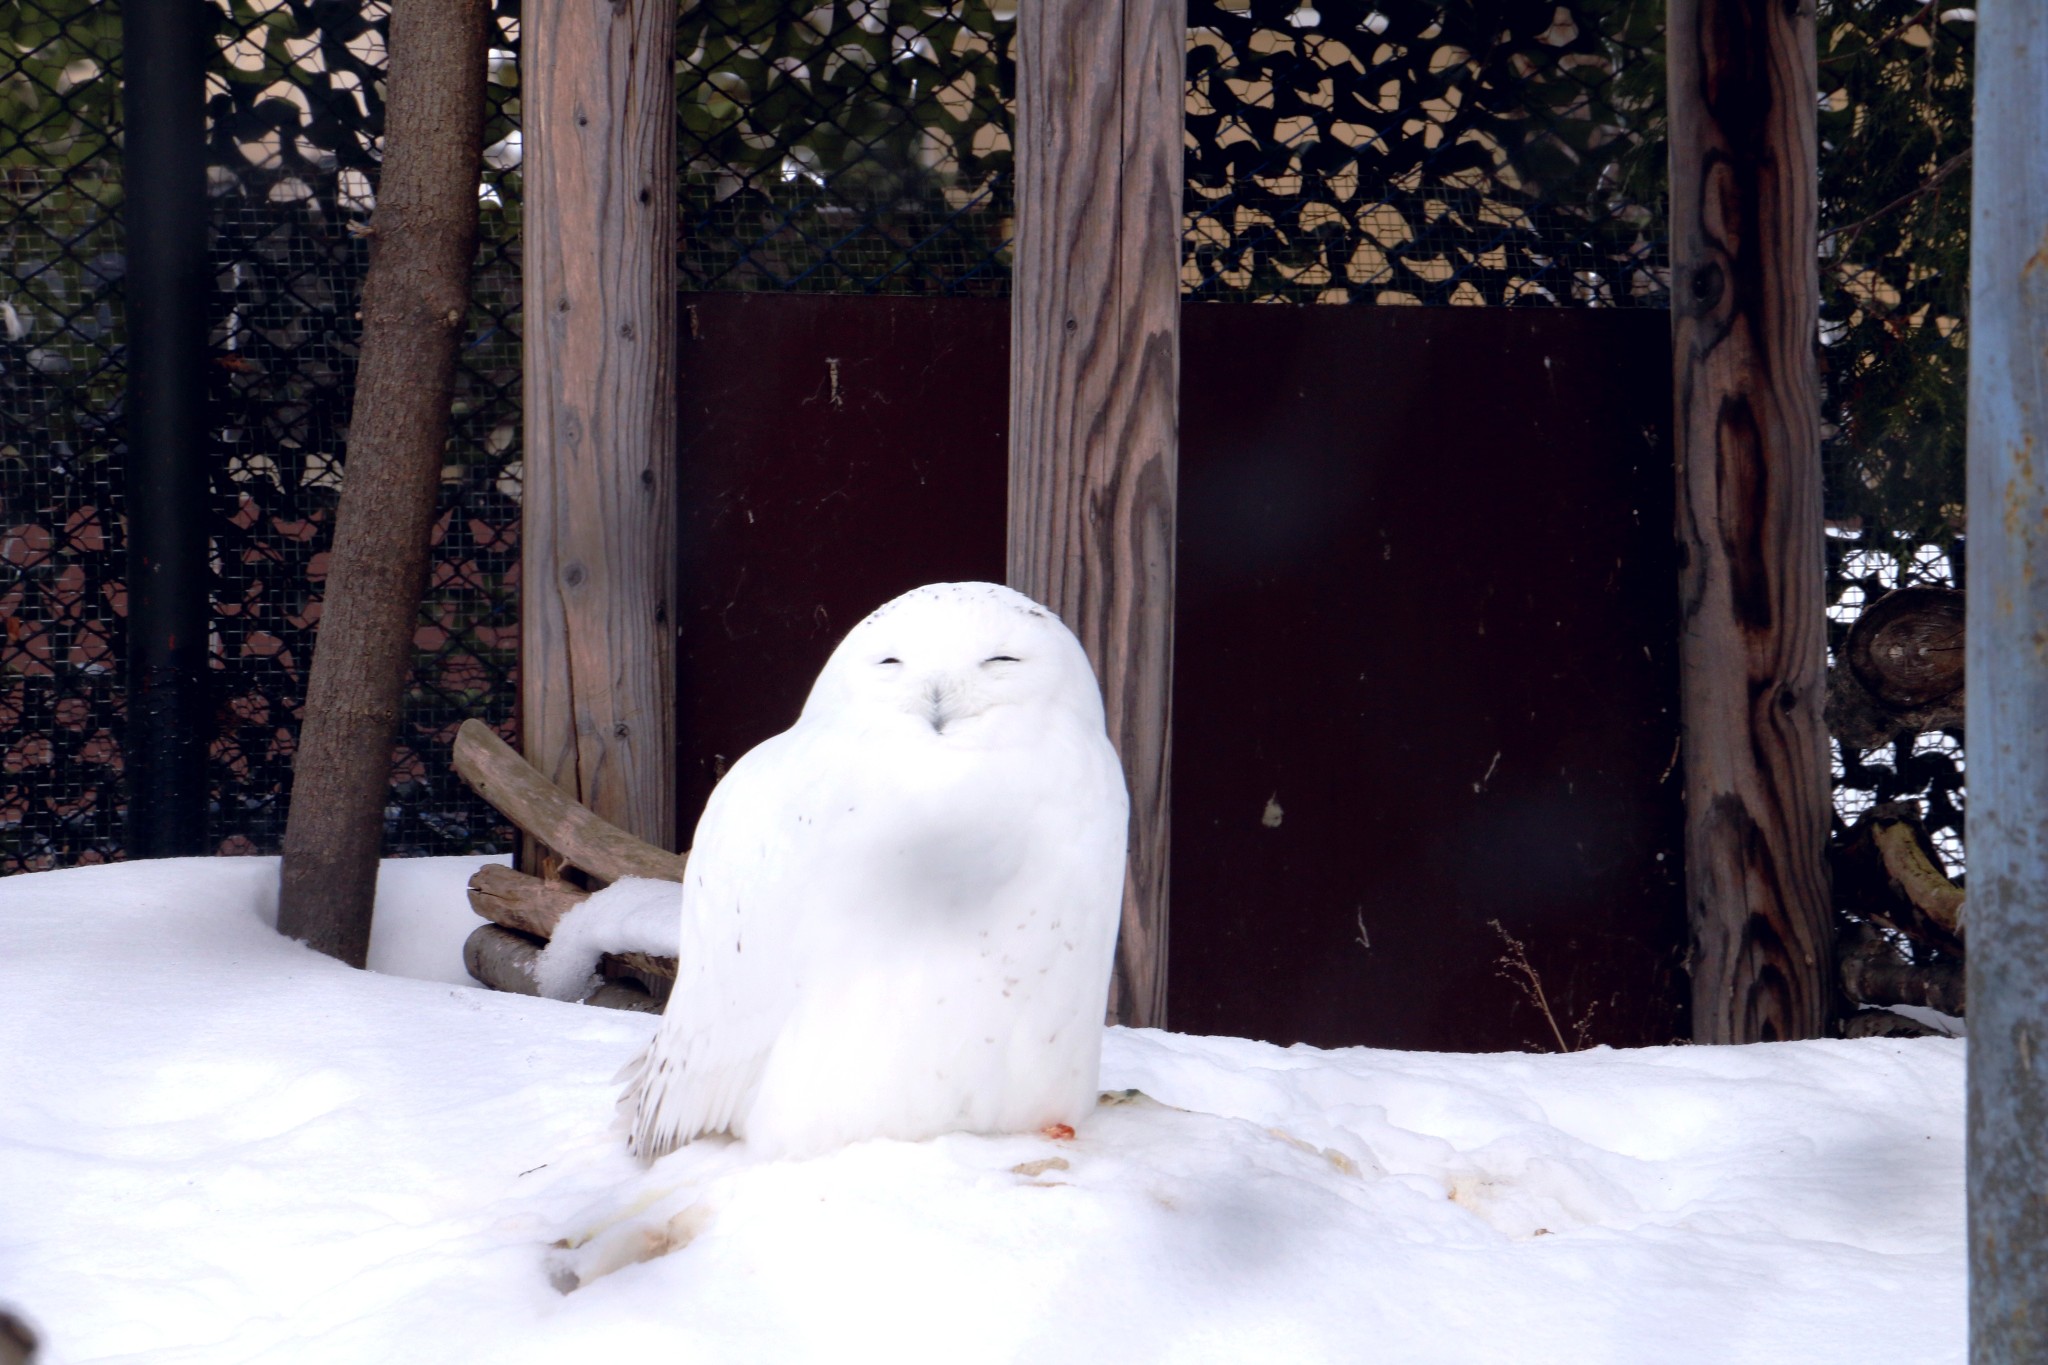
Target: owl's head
953, 655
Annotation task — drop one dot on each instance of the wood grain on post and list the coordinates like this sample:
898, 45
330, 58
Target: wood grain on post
597, 643
1094, 393
1744, 309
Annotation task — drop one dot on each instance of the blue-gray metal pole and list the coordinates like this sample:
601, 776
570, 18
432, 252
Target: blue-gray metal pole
163, 97
2007, 680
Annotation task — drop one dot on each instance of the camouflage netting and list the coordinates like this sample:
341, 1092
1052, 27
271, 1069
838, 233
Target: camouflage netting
1499, 152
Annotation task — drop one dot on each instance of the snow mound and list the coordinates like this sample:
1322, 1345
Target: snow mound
217, 1146
632, 915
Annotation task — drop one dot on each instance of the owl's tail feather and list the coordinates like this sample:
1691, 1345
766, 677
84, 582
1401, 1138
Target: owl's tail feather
667, 1103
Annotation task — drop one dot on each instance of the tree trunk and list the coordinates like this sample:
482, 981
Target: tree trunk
415, 304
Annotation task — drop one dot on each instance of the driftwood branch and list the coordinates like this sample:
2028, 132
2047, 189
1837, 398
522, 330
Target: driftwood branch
1874, 973
545, 811
503, 959
1916, 876
655, 976
1888, 872
523, 912
520, 902
1880, 1023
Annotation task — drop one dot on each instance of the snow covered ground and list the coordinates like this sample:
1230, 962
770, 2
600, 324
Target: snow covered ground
216, 1146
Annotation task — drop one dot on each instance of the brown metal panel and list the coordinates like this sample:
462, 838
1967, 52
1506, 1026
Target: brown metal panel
833, 452
1425, 677
1410, 540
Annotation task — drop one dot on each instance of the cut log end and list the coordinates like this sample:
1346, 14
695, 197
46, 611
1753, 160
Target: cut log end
520, 902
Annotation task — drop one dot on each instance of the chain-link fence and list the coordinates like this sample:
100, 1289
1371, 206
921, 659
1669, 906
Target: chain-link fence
1494, 152
1396, 152
293, 111
61, 393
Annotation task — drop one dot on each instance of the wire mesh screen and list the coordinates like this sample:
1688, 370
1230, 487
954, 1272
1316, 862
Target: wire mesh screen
1359, 151
1895, 127
859, 147
293, 112
293, 117
1404, 152
61, 390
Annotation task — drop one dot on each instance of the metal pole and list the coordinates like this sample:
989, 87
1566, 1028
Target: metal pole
163, 49
2007, 682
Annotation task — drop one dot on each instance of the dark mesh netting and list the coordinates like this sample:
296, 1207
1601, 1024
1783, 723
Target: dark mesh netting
61, 392
1500, 152
855, 147
293, 115
1401, 151
1894, 271
1405, 152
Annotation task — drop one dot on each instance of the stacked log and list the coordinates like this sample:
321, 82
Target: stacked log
1899, 674
522, 911
1901, 669
1903, 939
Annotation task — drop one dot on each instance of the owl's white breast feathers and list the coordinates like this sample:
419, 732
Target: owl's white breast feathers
898, 915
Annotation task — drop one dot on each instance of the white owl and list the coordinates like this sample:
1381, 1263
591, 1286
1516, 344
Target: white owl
899, 914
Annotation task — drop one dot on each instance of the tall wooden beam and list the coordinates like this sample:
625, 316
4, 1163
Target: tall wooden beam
2006, 677
1744, 309
1094, 392
597, 639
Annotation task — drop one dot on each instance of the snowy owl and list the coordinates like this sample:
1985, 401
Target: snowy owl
899, 914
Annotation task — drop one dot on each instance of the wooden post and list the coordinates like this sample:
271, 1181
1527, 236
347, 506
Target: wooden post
2006, 679
1744, 307
597, 642
1094, 393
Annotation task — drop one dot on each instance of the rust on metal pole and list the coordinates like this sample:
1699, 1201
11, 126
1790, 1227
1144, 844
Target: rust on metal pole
1094, 393
597, 638
1744, 308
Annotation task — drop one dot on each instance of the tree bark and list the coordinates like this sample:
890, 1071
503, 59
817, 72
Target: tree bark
1745, 303
415, 304
1094, 394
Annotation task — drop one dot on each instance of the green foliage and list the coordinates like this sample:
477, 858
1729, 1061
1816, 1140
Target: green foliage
1895, 217
55, 110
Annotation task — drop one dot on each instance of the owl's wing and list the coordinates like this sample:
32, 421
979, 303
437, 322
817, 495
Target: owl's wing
736, 969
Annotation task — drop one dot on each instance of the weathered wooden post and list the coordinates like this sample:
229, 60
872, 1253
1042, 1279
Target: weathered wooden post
1094, 392
1744, 309
2006, 681
597, 642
